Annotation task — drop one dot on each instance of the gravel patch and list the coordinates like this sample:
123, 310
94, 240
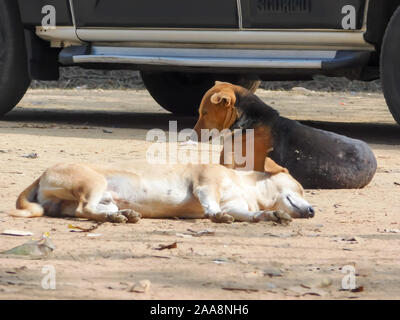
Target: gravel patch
75, 77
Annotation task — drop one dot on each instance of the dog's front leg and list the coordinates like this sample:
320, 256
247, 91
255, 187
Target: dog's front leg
208, 200
275, 216
244, 215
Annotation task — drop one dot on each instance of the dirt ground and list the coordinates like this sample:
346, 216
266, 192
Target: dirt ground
302, 260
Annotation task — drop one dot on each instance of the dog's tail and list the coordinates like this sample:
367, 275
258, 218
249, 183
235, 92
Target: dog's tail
25, 206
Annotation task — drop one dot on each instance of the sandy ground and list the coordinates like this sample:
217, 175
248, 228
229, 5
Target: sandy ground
303, 260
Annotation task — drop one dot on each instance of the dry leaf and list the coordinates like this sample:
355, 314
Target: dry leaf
40, 247
17, 233
201, 233
168, 246
248, 290
391, 230
304, 290
358, 289
93, 235
81, 229
183, 235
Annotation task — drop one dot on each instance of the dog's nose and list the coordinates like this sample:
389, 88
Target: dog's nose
311, 212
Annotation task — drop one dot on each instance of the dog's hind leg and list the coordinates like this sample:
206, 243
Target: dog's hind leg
94, 202
208, 200
80, 191
89, 200
101, 207
97, 205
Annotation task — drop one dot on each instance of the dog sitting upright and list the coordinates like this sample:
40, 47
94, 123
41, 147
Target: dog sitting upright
316, 158
127, 192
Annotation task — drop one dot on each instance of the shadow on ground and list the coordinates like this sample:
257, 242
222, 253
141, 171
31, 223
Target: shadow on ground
370, 132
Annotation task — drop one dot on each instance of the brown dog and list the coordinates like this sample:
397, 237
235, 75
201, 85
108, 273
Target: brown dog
316, 158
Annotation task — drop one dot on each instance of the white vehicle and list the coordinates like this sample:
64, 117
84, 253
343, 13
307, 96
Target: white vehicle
182, 47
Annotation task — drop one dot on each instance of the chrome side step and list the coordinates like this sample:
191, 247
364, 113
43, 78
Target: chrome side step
216, 58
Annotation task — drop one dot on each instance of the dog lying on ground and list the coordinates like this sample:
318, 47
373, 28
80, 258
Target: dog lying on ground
128, 192
316, 158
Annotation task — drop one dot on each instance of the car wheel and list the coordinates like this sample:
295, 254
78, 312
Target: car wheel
181, 93
390, 65
14, 74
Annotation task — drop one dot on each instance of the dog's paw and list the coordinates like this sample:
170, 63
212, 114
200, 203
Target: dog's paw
283, 217
221, 218
275, 216
131, 215
117, 218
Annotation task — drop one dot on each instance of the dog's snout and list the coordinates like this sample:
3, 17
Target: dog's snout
311, 212
300, 207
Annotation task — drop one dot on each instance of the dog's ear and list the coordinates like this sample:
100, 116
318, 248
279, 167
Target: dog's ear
271, 167
224, 98
217, 83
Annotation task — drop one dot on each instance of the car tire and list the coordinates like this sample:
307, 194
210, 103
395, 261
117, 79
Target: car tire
181, 93
390, 65
14, 74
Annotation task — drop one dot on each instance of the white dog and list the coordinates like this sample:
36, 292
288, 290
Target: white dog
126, 193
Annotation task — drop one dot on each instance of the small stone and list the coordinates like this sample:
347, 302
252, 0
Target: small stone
270, 285
325, 283
273, 272
140, 287
31, 156
302, 90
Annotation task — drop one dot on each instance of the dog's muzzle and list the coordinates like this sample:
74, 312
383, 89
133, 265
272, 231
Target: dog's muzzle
310, 213
302, 208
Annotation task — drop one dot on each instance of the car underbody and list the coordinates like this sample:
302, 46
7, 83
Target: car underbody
192, 43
